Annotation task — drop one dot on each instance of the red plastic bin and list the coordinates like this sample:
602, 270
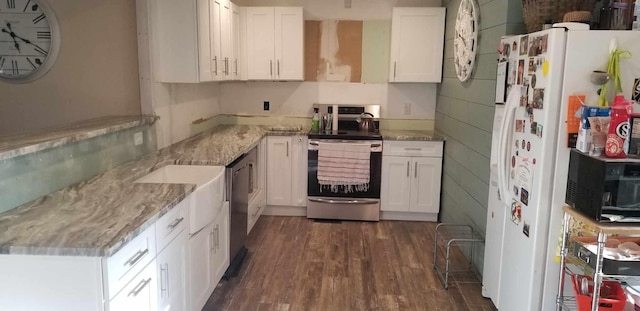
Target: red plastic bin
615, 300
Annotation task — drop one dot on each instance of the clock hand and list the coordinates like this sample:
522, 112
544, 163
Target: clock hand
13, 37
27, 41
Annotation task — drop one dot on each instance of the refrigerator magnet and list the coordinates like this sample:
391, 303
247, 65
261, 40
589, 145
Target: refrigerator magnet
532, 66
524, 171
538, 99
534, 128
524, 196
528, 146
539, 130
524, 45
525, 229
520, 71
516, 212
520, 126
545, 68
515, 191
636, 90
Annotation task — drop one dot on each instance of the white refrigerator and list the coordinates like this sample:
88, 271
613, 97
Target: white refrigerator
539, 78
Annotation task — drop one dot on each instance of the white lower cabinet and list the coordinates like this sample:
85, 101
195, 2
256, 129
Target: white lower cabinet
411, 178
172, 274
287, 170
141, 294
208, 258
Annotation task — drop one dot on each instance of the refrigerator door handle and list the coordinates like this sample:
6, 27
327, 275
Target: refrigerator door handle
503, 171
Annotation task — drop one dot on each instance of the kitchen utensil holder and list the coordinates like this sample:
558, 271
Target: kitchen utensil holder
449, 235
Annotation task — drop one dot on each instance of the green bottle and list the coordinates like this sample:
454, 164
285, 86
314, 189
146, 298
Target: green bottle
315, 121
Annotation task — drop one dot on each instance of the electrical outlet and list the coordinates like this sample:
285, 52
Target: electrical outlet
137, 139
407, 109
266, 105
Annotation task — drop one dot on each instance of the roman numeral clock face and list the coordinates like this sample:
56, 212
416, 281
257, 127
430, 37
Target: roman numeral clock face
29, 39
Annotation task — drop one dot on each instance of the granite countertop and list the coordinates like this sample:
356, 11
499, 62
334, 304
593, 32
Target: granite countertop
98, 216
411, 135
14, 145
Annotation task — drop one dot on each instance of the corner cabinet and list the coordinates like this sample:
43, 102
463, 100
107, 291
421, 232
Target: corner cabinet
196, 40
411, 180
275, 43
417, 44
287, 170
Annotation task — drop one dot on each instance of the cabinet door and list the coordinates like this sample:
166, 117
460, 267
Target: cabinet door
235, 42
140, 294
260, 43
220, 246
225, 41
200, 274
395, 185
289, 43
216, 20
299, 171
278, 170
417, 44
205, 56
172, 274
425, 186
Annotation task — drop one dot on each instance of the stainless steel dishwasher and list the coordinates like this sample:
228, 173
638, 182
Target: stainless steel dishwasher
239, 181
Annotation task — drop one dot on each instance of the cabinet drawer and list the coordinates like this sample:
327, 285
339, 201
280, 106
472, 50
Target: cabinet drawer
171, 224
413, 148
130, 260
140, 294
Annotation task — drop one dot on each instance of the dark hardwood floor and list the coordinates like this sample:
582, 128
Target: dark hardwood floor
299, 264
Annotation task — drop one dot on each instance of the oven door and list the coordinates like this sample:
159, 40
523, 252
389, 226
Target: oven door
375, 169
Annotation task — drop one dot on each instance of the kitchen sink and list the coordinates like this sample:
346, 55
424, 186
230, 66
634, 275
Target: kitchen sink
206, 201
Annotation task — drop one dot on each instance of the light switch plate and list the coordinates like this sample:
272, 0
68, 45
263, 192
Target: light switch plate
407, 109
137, 139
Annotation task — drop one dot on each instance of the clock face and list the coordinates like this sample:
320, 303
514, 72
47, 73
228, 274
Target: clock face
465, 39
29, 39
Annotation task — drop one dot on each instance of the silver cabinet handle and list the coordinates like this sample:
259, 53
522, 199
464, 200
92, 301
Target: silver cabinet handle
164, 269
135, 258
215, 62
271, 68
175, 223
235, 62
413, 149
226, 69
136, 290
287, 149
217, 237
227, 64
415, 169
395, 65
211, 244
407, 168
278, 68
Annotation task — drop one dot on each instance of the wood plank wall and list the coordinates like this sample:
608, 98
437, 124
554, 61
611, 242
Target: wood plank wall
464, 114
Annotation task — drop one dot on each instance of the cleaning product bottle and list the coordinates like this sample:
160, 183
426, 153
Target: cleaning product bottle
315, 121
617, 143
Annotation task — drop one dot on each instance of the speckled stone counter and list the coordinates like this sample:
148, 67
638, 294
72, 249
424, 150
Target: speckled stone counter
25, 143
411, 135
98, 216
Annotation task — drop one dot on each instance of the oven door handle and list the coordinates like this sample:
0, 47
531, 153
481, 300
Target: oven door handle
343, 201
313, 143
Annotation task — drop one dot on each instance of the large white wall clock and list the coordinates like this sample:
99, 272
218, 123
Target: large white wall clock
29, 40
465, 41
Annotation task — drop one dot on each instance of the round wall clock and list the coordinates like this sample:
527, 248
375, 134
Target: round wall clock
465, 39
29, 40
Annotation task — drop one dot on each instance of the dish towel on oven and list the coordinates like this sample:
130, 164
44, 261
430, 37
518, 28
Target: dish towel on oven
344, 164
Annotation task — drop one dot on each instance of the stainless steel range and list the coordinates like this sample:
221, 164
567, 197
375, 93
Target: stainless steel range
346, 200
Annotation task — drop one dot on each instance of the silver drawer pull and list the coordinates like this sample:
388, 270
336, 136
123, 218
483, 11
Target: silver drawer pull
139, 287
175, 223
413, 149
133, 260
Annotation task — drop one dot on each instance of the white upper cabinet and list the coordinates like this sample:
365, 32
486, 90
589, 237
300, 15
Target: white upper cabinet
236, 55
275, 44
193, 40
417, 44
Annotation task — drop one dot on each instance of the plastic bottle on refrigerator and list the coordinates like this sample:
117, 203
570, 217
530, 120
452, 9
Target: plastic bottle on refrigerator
636, 16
